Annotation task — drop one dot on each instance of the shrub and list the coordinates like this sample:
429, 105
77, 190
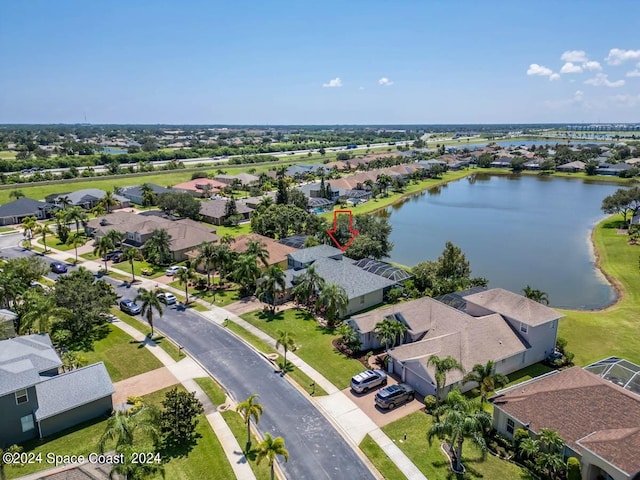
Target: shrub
133, 400
430, 403
195, 175
519, 435
573, 469
394, 294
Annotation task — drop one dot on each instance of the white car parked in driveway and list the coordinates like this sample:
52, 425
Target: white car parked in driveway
171, 271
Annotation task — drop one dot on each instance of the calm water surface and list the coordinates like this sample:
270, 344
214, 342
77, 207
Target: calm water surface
515, 231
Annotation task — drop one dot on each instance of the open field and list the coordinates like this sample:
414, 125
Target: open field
614, 331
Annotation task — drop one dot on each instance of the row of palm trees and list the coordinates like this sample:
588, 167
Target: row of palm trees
319, 296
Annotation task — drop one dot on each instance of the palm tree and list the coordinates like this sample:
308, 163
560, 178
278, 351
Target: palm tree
258, 249
269, 448
149, 302
108, 200
132, 254
486, 378
386, 332
102, 246
536, 295
38, 310
334, 299
207, 189
246, 271
63, 201
76, 215
308, 286
398, 329
62, 227
43, 230
383, 180
250, 409
287, 342
158, 248
461, 420
29, 225
227, 239
17, 194
185, 275
77, 240
225, 260
123, 427
99, 210
116, 237
442, 367
273, 282
207, 257
130, 470
148, 195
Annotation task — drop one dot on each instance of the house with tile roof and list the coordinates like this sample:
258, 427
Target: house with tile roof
36, 401
598, 419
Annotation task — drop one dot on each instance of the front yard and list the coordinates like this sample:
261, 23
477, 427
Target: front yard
313, 341
228, 294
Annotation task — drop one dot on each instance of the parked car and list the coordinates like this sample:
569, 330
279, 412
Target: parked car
128, 306
167, 298
365, 381
393, 395
171, 271
58, 267
112, 254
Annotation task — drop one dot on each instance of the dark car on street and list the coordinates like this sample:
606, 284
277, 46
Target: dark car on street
393, 395
128, 306
58, 267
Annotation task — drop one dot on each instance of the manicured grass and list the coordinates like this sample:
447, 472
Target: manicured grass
313, 340
55, 242
142, 326
212, 389
122, 356
242, 229
528, 373
614, 331
432, 462
7, 229
230, 294
294, 373
7, 155
239, 429
380, 459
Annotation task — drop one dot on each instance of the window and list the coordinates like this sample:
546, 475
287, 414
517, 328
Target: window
510, 426
27, 423
21, 397
524, 328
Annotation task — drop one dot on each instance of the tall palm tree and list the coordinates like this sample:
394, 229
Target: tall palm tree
132, 254
257, 248
123, 427
29, 225
99, 210
63, 201
334, 299
398, 329
77, 240
461, 420
486, 378
225, 261
38, 311
116, 237
271, 283
383, 180
62, 227
149, 302
43, 230
250, 409
227, 239
386, 332
108, 201
185, 275
310, 283
102, 246
148, 196
207, 256
76, 215
246, 271
536, 295
158, 248
17, 194
270, 448
442, 367
287, 342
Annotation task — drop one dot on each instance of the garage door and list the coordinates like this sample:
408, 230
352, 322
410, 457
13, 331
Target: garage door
419, 384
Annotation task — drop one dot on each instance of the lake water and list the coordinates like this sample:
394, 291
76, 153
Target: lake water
514, 230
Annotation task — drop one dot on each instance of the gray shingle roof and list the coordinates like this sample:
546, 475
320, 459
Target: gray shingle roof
217, 208
308, 255
21, 206
90, 194
137, 191
515, 306
22, 359
73, 389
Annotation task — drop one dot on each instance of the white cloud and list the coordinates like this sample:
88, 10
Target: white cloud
571, 68
336, 82
634, 73
618, 56
602, 80
535, 69
592, 65
554, 76
627, 100
385, 82
574, 56
578, 95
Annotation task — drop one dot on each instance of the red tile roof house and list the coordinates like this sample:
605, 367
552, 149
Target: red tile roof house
598, 420
196, 186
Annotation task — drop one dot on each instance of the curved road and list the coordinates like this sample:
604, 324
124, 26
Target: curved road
317, 451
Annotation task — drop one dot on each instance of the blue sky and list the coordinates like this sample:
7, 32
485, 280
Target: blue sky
335, 61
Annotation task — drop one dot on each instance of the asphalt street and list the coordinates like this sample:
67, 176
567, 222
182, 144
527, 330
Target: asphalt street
317, 450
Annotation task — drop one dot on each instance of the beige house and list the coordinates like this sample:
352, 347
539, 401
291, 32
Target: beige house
598, 419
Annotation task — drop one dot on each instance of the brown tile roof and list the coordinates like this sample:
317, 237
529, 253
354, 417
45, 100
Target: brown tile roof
514, 306
586, 410
197, 184
277, 251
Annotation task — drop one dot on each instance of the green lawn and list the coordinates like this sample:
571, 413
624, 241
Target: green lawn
230, 294
314, 343
528, 373
614, 331
7, 229
242, 229
54, 242
294, 373
7, 154
142, 326
122, 356
380, 459
213, 390
432, 462
239, 429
